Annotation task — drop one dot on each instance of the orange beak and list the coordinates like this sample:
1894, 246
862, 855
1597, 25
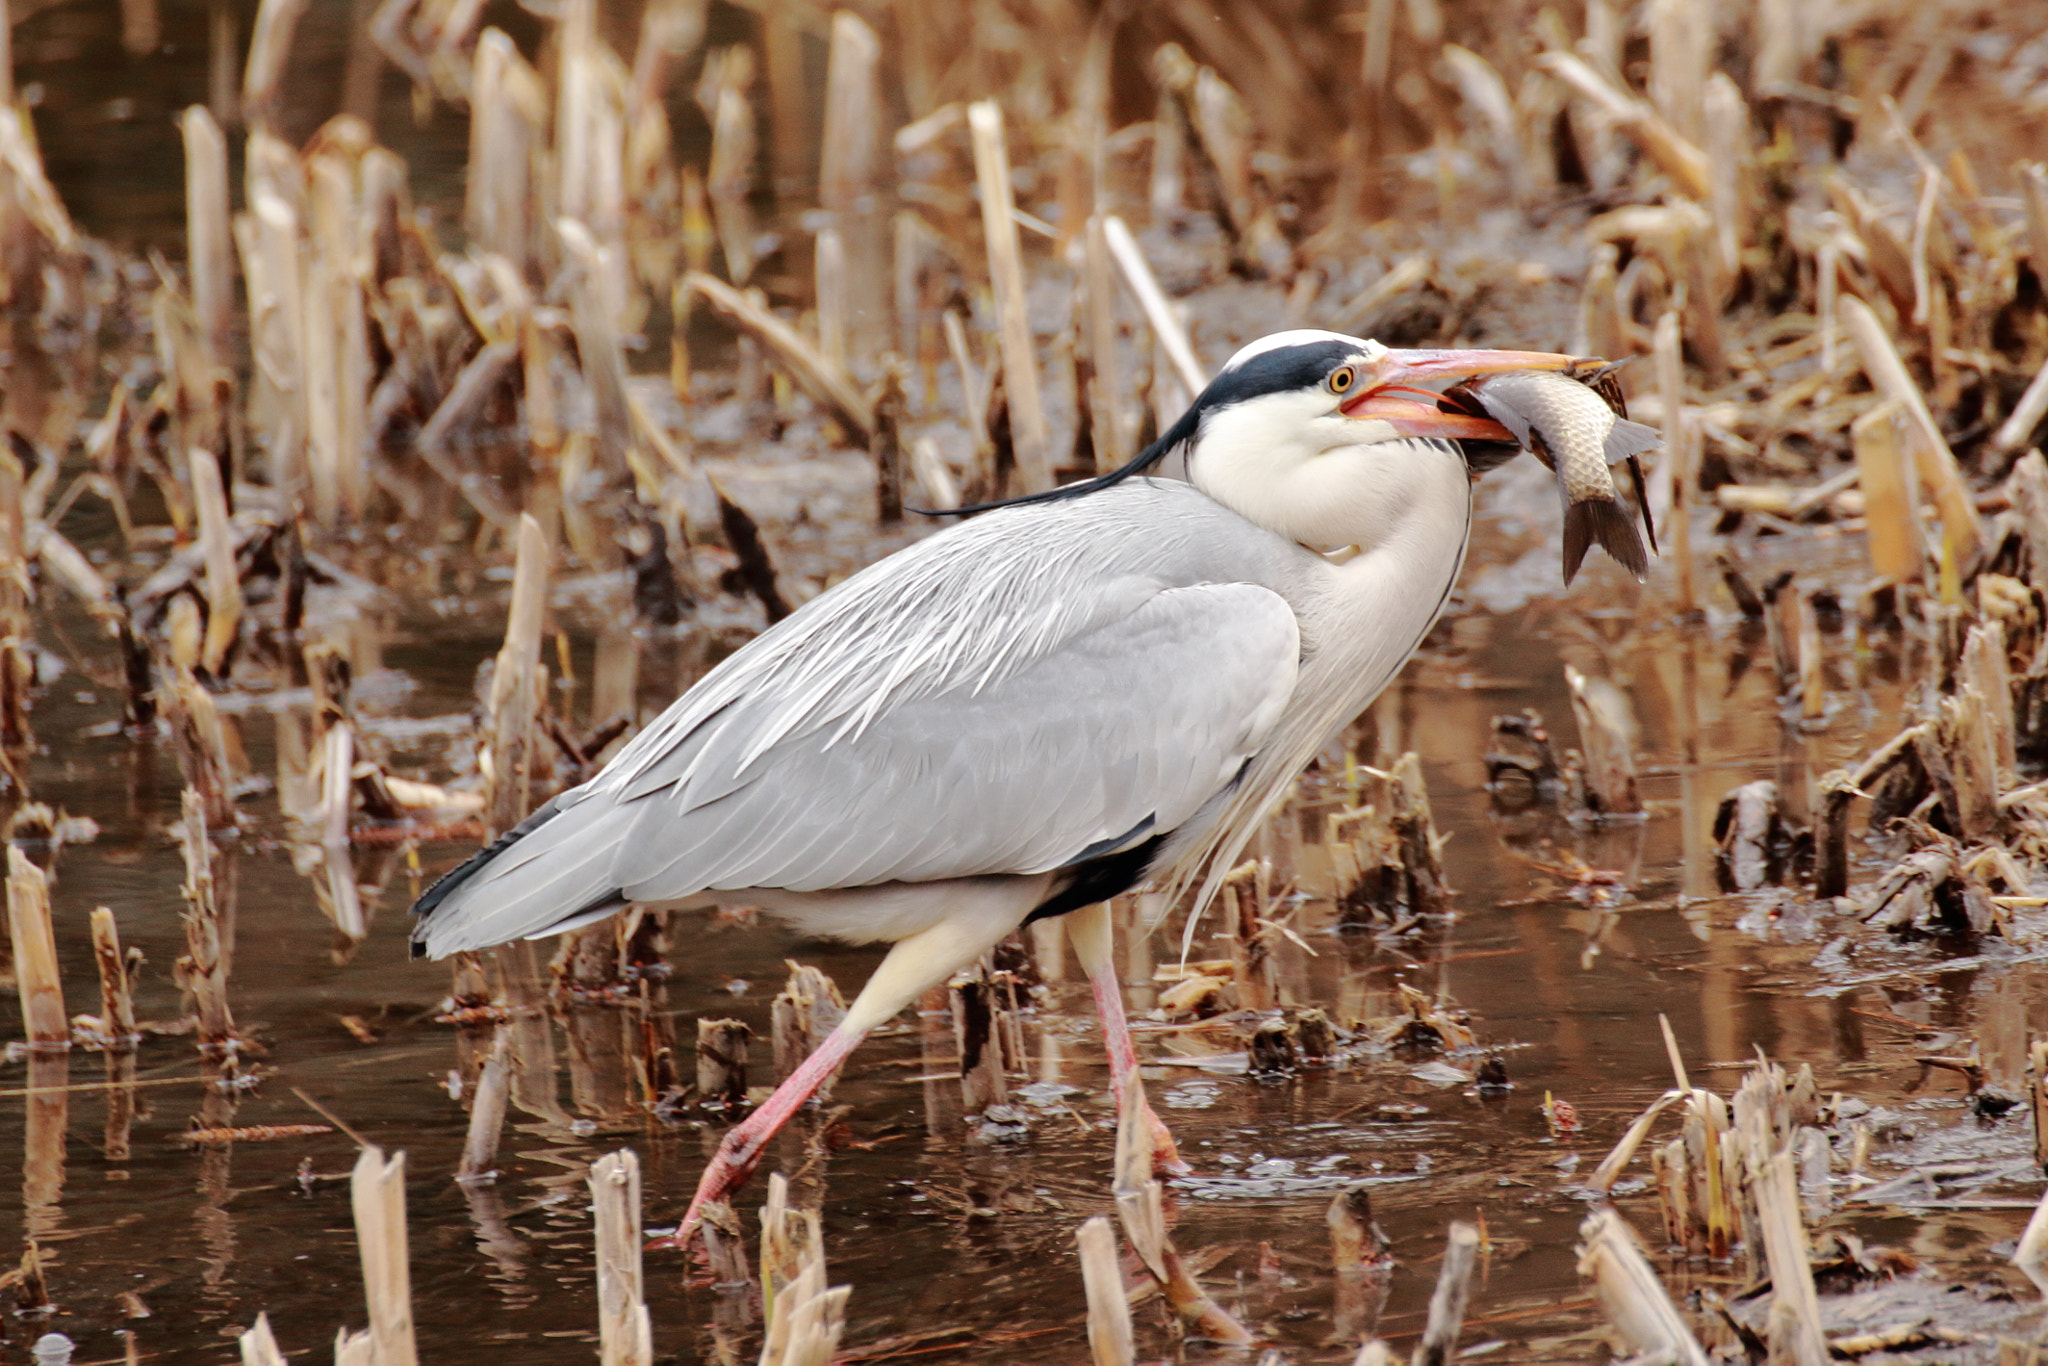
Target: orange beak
1415, 413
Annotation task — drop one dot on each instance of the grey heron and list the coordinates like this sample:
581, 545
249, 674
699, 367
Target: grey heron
1033, 710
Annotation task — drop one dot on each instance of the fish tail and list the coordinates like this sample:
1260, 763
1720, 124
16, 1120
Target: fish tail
1604, 520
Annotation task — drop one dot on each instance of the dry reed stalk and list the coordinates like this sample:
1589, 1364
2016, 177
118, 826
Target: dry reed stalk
377, 1195
722, 1062
1447, 1303
343, 901
625, 1333
2037, 1088
937, 488
806, 1009
885, 447
196, 729
1029, 433
1109, 1311
36, 979
2033, 1244
978, 1035
1106, 405
1140, 1208
853, 108
62, 561
269, 45
338, 270
1631, 1294
516, 303
204, 968
590, 115
825, 382
830, 274
1973, 759
1251, 958
268, 236
1486, 95
1729, 158
1676, 472
596, 314
2026, 415
1674, 155
1604, 730
1681, 53
974, 386
1374, 1353
1898, 550
259, 1345
206, 228
487, 1114
1776, 1194
1936, 463
1812, 669
806, 1320
117, 1001
1985, 673
507, 122
729, 174
217, 546
516, 686
1167, 327
1610, 1168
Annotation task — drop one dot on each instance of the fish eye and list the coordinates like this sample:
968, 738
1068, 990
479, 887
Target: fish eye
1341, 379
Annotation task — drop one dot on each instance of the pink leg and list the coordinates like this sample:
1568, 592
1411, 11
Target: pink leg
1090, 934
741, 1151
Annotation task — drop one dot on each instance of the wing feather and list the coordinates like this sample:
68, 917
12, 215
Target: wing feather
1001, 699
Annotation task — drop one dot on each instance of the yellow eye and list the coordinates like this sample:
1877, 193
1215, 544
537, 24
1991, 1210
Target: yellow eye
1341, 379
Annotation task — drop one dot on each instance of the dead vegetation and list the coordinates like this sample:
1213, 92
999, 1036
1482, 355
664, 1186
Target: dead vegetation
983, 272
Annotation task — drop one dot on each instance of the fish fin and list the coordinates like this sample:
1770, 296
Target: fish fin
1635, 474
1606, 521
1631, 438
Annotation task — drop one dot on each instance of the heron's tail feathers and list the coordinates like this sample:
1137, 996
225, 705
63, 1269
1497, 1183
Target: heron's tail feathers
545, 874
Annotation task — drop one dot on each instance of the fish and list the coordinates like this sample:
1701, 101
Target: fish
1578, 427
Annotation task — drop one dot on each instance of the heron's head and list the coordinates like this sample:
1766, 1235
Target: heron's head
1333, 440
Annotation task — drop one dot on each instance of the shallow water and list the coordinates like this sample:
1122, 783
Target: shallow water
956, 1248
933, 1229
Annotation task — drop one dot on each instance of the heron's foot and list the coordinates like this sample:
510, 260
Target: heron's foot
1166, 1161
725, 1173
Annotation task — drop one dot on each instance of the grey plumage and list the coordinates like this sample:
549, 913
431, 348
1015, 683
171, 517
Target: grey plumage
940, 715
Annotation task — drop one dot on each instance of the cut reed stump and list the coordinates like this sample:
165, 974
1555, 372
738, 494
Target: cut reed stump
377, 1194
203, 968
1604, 738
35, 955
1140, 1208
516, 686
978, 1035
722, 1063
1439, 1343
1628, 1290
1109, 1310
625, 1333
117, 1001
807, 1009
487, 1114
805, 1320
259, 1345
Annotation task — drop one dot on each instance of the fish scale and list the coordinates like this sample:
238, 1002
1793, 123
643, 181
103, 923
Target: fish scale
1576, 433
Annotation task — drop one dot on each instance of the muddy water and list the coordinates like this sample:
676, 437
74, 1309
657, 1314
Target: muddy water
937, 1231
955, 1247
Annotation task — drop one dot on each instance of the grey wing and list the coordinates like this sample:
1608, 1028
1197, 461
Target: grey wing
1118, 732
